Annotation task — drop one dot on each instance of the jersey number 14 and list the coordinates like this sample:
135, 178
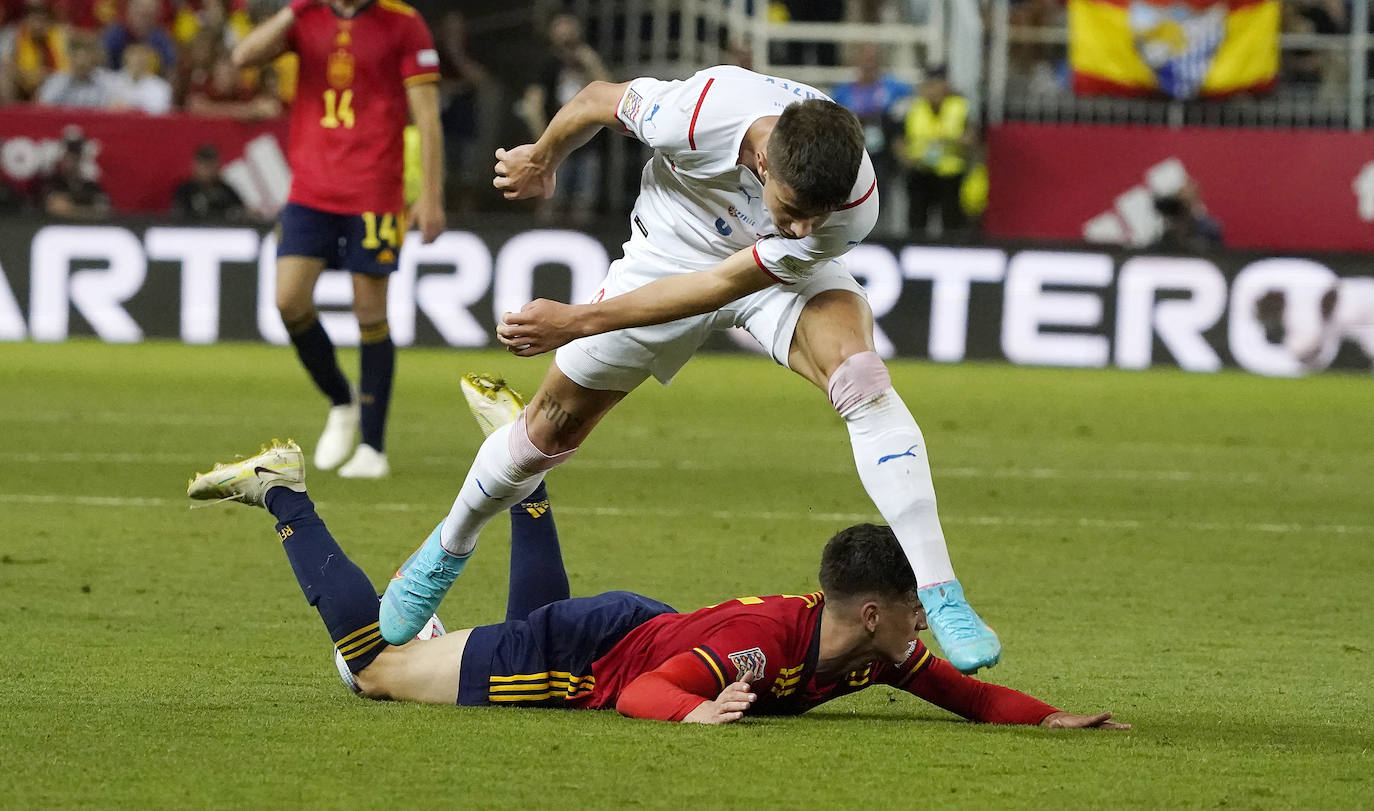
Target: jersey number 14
338, 110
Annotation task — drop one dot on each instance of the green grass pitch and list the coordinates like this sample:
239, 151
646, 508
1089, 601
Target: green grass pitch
1194, 553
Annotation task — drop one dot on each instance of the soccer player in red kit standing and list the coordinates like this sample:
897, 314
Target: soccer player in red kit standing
362, 64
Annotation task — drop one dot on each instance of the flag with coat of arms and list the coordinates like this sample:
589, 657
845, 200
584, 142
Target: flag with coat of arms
1183, 50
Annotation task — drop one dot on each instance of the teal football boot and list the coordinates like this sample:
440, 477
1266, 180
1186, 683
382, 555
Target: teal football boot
417, 588
969, 644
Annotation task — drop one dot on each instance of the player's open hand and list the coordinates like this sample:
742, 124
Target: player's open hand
539, 327
521, 173
428, 216
1068, 720
729, 706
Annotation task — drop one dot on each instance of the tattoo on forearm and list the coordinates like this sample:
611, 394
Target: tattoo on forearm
554, 412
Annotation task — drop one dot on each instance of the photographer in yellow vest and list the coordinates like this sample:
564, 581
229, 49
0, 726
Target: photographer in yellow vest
938, 141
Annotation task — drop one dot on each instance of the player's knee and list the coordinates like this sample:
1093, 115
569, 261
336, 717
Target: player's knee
369, 312
295, 314
859, 379
371, 682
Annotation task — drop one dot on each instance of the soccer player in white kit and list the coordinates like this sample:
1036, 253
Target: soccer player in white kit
757, 188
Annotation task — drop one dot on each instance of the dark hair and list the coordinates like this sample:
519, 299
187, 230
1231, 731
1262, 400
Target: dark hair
866, 559
816, 148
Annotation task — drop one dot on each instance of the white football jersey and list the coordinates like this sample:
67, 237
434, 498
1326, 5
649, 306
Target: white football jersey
696, 204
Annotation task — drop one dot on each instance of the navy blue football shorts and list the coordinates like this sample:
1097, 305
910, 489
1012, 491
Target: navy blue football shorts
362, 243
546, 659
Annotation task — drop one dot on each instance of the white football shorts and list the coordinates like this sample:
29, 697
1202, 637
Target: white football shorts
621, 360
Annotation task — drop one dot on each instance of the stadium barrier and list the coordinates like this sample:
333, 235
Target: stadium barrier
1270, 189
139, 159
1027, 305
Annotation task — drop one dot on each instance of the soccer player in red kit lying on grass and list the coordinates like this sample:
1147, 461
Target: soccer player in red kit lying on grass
779, 655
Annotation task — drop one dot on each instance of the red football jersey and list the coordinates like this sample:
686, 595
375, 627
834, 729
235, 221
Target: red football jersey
347, 121
772, 642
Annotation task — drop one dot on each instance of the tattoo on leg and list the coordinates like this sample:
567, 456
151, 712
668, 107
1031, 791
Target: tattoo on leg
554, 412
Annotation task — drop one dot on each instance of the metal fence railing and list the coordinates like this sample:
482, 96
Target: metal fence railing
1323, 82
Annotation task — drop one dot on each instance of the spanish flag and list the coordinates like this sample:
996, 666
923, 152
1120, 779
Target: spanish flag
1182, 50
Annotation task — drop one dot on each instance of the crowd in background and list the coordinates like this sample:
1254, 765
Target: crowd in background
162, 56
152, 56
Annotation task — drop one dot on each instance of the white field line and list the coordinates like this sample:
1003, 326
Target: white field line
944, 440
452, 463
1088, 523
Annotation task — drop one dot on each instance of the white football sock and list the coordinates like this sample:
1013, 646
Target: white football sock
890, 453
508, 468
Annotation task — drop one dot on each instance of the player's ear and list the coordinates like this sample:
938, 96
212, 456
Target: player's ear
870, 613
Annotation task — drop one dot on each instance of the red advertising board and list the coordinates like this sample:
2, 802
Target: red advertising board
1306, 190
139, 159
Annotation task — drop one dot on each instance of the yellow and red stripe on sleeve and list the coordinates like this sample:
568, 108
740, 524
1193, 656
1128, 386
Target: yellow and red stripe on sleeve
714, 664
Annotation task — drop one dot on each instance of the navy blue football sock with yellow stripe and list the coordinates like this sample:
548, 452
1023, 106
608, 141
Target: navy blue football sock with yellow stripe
316, 352
537, 576
377, 355
331, 582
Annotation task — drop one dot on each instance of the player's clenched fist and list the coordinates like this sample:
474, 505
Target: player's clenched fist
521, 173
540, 326
728, 707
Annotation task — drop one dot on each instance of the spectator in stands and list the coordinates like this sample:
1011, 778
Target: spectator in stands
195, 64
31, 50
141, 24
92, 15
137, 87
69, 192
226, 92
469, 112
225, 24
878, 100
85, 83
205, 195
1188, 227
1041, 65
938, 139
571, 66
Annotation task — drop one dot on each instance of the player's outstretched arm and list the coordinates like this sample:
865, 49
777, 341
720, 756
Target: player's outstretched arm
268, 40
942, 685
543, 325
528, 170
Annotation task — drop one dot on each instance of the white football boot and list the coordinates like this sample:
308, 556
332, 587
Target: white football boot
282, 464
492, 402
339, 436
367, 463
